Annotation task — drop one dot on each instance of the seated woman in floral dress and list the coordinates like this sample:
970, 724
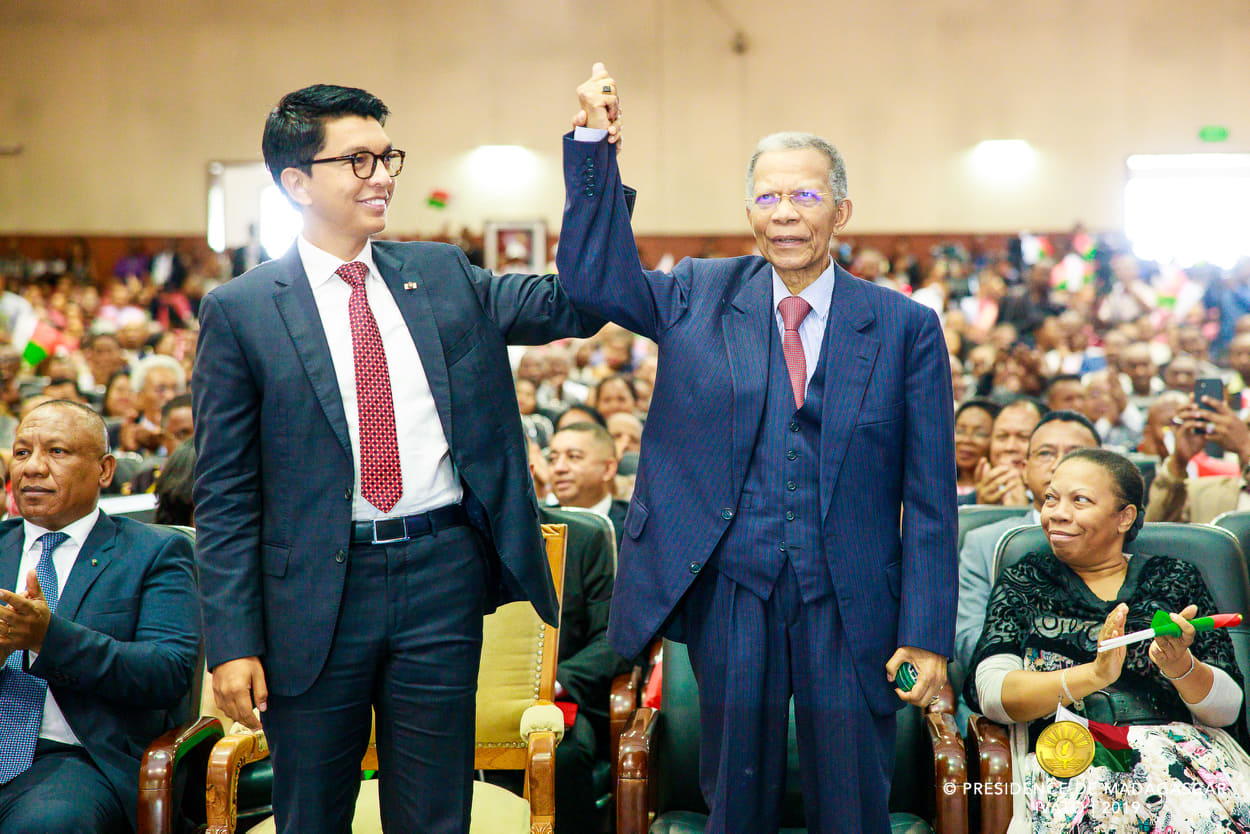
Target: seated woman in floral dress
1046, 617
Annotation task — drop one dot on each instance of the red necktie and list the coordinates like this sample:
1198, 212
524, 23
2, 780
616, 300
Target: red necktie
793, 311
380, 480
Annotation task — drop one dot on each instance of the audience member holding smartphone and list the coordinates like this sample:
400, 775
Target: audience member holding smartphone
1174, 496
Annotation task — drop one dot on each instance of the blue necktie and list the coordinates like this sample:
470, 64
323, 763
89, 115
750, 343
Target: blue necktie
21, 695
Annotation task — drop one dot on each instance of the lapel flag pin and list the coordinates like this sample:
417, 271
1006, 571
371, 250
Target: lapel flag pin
410, 285
95, 562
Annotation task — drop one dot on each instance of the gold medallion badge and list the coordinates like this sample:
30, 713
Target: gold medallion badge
1065, 749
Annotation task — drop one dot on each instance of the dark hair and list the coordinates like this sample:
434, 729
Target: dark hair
180, 401
988, 406
589, 410
295, 130
1126, 478
1058, 378
1065, 416
174, 504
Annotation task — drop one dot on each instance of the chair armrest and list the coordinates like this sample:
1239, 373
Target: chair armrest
540, 781
622, 702
950, 773
635, 795
991, 754
945, 700
188, 743
229, 756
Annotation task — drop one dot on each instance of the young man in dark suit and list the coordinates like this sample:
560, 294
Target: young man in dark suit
99, 634
362, 495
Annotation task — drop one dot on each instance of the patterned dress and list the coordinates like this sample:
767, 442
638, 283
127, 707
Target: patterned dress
1188, 778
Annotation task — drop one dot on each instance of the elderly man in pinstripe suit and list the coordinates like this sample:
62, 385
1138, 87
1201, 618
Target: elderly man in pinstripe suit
797, 411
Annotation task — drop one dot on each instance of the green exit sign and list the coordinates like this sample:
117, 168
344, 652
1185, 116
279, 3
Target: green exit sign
1213, 133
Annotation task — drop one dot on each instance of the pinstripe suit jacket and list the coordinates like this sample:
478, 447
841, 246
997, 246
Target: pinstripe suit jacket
886, 445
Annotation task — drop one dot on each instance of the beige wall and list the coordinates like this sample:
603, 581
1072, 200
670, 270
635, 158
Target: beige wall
120, 106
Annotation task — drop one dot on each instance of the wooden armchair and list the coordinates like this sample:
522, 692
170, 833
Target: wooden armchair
658, 765
517, 728
1218, 557
184, 750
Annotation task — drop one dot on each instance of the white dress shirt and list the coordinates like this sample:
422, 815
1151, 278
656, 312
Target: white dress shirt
429, 476
819, 294
54, 725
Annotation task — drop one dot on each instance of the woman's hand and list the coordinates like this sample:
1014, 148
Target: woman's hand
1171, 654
1107, 665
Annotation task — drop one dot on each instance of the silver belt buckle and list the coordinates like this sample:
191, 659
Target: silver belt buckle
384, 530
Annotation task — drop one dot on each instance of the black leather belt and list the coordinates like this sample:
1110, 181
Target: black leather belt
394, 530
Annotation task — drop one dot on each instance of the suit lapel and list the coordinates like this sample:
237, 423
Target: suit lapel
294, 297
93, 558
11, 559
745, 323
849, 353
411, 291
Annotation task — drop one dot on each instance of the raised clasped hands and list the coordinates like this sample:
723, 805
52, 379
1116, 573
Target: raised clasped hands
600, 104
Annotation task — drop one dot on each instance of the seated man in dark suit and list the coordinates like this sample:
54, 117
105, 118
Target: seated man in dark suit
99, 634
586, 666
583, 472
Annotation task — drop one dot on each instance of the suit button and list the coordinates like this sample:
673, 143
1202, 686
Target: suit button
347, 493
789, 515
726, 513
590, 192
341, 556
794, 427
791, 454
695, 567
791, 485
782, 547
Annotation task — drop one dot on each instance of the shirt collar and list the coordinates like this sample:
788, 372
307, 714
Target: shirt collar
603, 506
319, 265
819, 293
76, 530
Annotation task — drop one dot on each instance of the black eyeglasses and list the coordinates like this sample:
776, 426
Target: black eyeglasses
364, 163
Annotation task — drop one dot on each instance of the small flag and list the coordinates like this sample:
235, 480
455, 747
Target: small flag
438, 199
1111, 746
37, 338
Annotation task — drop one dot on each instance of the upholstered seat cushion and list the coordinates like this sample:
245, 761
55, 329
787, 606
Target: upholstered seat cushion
495, 811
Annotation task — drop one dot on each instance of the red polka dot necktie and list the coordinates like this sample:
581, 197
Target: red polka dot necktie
381, 482
793, 311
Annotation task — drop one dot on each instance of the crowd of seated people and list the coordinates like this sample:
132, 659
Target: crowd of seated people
1109, 340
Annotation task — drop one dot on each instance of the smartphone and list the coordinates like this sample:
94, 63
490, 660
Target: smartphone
1212, 387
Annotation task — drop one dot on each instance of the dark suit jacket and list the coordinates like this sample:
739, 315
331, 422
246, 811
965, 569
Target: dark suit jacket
274, 476
616, 513
122, 648
886, 445
587, 662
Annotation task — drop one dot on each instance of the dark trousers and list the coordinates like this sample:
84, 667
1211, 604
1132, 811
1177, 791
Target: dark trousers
749, 657
407, 643
63, 792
